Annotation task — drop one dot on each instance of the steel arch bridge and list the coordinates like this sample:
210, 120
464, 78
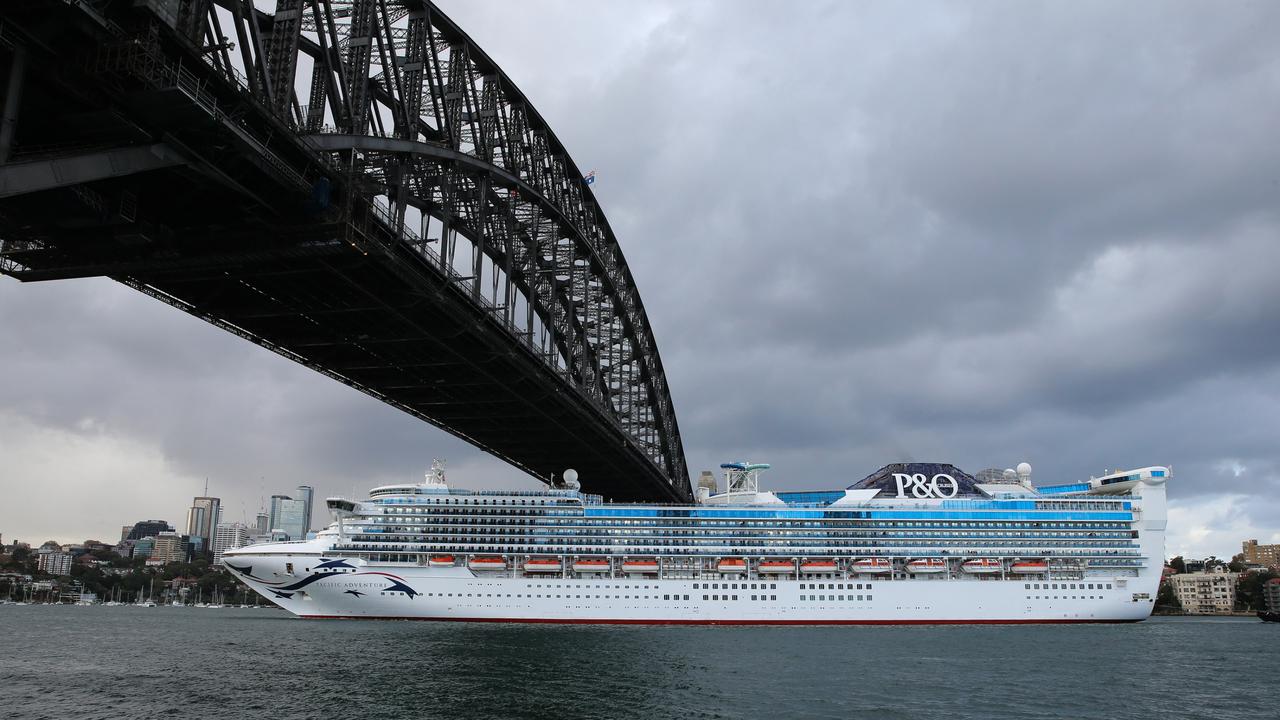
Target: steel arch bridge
354, 185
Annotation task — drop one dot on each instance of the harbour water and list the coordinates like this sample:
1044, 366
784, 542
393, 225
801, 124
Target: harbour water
63, 662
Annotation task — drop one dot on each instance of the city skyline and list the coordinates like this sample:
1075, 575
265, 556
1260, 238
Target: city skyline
918, 235
1227, 547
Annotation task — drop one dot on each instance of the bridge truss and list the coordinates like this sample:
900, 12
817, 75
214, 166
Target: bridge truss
362, 190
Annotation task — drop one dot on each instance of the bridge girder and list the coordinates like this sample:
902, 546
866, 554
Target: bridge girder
428, 150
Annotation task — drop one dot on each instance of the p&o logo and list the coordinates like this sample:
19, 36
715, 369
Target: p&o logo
922, 486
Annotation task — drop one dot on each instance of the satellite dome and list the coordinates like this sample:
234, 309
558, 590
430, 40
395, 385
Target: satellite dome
571, 479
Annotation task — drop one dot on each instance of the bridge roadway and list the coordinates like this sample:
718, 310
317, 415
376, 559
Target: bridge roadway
447, 261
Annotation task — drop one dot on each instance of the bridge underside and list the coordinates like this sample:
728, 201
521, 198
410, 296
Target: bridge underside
188, 193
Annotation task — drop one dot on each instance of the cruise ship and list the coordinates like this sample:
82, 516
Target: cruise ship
911, 543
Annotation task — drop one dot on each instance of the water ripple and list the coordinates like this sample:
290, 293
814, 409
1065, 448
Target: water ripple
72, 662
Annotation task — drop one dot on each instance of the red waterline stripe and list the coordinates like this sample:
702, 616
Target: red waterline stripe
583, 621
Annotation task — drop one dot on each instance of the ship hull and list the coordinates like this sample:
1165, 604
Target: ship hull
394, 591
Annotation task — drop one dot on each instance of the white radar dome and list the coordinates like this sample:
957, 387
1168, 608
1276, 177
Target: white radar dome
1024, 468
571, 478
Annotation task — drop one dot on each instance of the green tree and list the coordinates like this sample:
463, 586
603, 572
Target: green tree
1249, 589
1178, 564
1167, 599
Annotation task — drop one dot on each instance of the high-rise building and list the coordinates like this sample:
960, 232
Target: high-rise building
202, 518
305, 492
145, 528
52, 560
273, 511
228, 536
169, 547
1268, 555
262, 523
287, 516
142, 548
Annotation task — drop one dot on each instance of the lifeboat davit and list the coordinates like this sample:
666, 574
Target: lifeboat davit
775, 567
819, 566
1027, 568
927, 566
440, 561
732, 566
590, 565
873, 566
981, 566
542, 565
487, 563
640, 566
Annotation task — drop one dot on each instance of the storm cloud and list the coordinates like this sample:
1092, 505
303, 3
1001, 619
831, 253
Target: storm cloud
864, 233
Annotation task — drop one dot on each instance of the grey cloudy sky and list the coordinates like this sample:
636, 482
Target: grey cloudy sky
864, 231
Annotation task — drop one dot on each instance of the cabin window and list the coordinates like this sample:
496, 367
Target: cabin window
288, 567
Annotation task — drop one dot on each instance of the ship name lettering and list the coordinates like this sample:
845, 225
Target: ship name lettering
922, 486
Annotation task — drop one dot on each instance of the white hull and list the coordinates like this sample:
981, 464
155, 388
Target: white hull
459, 594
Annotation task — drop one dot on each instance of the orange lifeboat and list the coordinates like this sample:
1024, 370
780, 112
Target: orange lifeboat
732, 566
487, 562
543, 565
819, 566
1028, 568
775, 567
440, 561
590, 565
981, 566
640, 565
873, 566
927, 566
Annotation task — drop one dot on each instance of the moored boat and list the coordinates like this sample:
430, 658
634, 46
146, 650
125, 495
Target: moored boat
647, 565
732, 566
982, 566
543, 565
872, 566
487, 563
925, 566
590, 565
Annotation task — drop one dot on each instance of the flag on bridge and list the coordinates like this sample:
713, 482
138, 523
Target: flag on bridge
590, 178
